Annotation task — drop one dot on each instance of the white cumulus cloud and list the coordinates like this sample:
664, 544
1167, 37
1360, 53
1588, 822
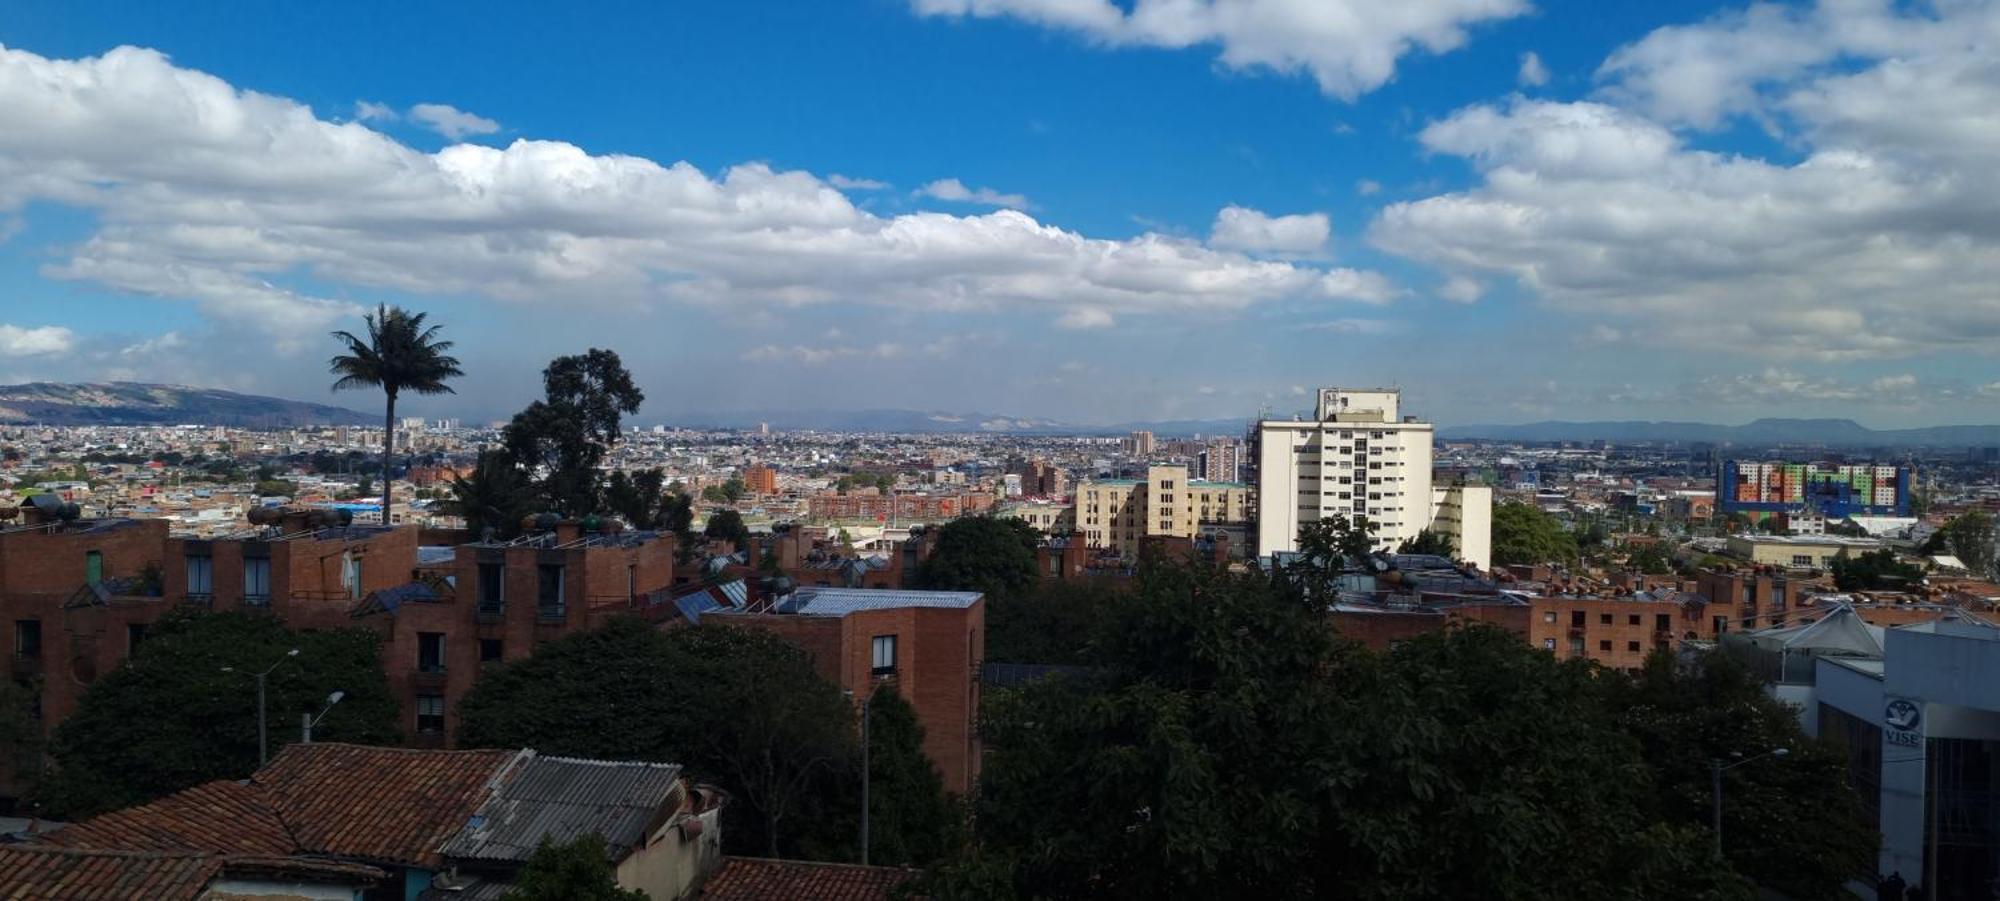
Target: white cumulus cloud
1350, 47
18, 341
1242, 228
1876, 234
953, 190
233, 200
1532, 73
451, 122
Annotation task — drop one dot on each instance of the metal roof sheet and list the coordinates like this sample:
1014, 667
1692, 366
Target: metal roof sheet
561, 798
842, 601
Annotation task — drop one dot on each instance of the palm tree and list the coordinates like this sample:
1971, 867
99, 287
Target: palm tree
399, 355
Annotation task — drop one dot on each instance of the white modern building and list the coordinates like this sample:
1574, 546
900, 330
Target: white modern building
1918, 709
1360, 457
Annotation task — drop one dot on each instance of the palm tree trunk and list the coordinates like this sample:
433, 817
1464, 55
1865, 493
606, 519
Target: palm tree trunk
388, 453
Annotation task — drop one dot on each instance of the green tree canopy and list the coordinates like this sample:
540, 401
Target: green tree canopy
737, 707
1052, 624
1430, 542
1969, 537
727, 525
642, 499
1877, 570
912, 820
577, 870
495, 496
170, 718
1226, 744
1650, 559
987, 554
1524, 535
1792, 822
560, 440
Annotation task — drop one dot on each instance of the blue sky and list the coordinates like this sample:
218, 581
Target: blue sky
1064, 208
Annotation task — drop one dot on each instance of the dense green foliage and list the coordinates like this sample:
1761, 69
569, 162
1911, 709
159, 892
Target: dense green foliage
1226, 744
983, 553
1792, 823
559, 441
1969, 537
912, 821
399, 353
578, 870
1650, 559
729, 492
1052, 624
1878, 570
170, 718
1429, 542
1523, 534
727, 525
737, 707
641, 499
495, 496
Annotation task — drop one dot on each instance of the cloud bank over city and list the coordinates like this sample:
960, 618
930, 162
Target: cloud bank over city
1738, 193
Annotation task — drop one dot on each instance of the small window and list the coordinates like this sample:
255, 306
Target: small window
430, 652
549, 590
1631, 646
430, 714
1576, 619
1549, 616
492, 582
1604, 619
1548, 644
27, 638
883, 655
492, 650
256, 580
1632, 620
1604, 645
200, 575
1663, 622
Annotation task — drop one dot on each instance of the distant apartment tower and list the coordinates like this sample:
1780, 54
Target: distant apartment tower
1221, 461
1121, 513
1360, 457
1834, 490
1139, 444
760, 479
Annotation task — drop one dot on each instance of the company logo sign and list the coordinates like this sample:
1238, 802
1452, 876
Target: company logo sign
1903, 722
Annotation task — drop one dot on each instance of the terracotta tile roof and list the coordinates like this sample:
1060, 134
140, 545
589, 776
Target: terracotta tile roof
68, 874
396, 805
384, 805
221, 817
763, 879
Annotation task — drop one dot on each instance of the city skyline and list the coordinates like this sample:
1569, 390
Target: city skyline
1069, 210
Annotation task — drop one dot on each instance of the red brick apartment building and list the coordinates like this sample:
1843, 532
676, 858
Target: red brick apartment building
870, 504
760, 479
79, 596
926, 644
1616, 632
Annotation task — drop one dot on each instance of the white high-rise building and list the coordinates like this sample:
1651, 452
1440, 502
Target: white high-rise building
1360, 457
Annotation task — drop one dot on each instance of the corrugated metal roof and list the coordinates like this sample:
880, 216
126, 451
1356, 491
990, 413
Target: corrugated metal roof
842, 601
562, 798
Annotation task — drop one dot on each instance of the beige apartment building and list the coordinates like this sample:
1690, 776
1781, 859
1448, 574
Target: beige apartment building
1122, 513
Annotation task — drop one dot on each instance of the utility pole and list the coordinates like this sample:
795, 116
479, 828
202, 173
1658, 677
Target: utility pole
263, 733
865, 775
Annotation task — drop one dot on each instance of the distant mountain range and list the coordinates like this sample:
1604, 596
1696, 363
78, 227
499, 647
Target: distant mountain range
133, 403
1829, 432
914, 421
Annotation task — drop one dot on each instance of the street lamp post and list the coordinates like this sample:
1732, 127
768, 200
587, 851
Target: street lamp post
1715, 771
263, 734
866, 700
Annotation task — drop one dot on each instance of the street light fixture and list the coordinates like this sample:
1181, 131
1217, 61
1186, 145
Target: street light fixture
263, 735
1715, 769
307, 721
